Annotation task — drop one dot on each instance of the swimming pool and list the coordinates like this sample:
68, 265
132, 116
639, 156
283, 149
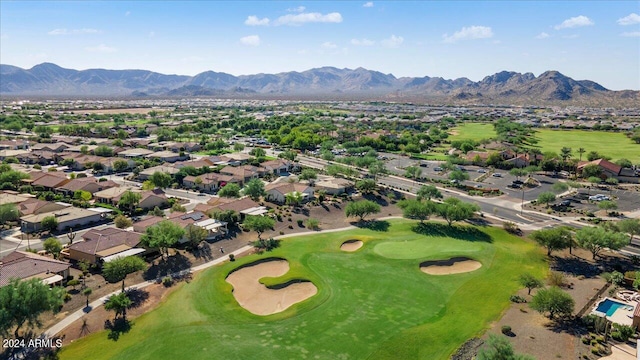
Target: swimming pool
609, 306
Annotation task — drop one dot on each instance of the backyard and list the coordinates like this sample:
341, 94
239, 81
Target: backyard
371, 303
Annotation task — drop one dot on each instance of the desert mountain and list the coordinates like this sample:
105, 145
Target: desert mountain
504, 87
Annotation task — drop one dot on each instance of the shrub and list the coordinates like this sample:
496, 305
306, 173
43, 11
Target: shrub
506, 329
595, 350
281, 232
586, 340
517, 299
630, 275
556, 278
290, 226
313, 224
167, 281
300, 222
511, 228
67, 297
622, 332
232, 257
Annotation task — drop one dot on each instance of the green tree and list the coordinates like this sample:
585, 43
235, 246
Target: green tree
254, 188
118, 269
8, 212
129, 201
361, 209
596, 239
554, 301
237, 147
591, 170
259, 224
156, 212
416, 209
607, 205
565, 153
289, 155
293, 198
122, 222
625, 163
195, 234
412, 172
530, 282
499, 348
231, 190
258, 152
428, 192
581, 151
517, 172
366, 186
453, 209
120, 165
87, 292
161, 180
119, 304
559, 187
458, 175
23, 301
546, 198
630, 226
308, 174
377, 168
49, 224
553, 239
162, 236
82, 195
229, 216
103, 150
52, 246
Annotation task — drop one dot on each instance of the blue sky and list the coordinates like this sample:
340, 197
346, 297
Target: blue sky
595, 40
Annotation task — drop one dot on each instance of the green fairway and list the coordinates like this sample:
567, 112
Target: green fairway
374, 303
615, 145
472, 131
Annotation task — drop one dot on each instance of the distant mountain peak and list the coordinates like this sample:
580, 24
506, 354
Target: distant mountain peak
48, 79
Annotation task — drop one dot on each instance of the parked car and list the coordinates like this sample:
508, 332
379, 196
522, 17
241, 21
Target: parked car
565, 203
482, 171
437, 169
518, 182
496, 175
599, 197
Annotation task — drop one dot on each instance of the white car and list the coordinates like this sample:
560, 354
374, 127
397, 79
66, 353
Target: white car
599, 197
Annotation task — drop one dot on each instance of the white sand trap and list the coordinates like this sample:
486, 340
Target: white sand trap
455, 265
351, 245
260, 300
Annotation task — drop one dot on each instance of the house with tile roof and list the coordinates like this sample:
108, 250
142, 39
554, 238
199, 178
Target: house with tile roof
278, 192
101, 243
24, 265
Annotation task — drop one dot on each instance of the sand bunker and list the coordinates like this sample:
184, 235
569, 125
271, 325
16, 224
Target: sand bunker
455, 265
260, 300
351, 245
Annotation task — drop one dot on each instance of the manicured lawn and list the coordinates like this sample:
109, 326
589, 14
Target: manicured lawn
374, 303
615, 145
472, 131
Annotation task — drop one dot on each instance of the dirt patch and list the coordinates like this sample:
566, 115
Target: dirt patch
261, 300
455, 265
351, 245
95, 320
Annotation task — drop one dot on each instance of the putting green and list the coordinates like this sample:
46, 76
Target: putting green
368, 306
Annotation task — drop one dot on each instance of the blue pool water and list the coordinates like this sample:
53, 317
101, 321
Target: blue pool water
609, 306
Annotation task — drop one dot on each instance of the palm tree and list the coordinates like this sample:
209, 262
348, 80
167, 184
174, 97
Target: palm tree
118, 303
581, 151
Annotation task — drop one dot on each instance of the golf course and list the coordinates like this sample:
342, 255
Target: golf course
368, 300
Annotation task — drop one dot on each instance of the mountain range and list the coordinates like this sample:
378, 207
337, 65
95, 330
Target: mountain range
50, 80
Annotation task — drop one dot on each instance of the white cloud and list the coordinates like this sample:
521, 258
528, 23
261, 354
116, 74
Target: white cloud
102, 48
393, 41
302, 18
251, 40
329, 45
73, 31
253, 20
630, 19
574, 22
362, 42
542, 35
298, 9
368, 4
468, 33
631, 34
